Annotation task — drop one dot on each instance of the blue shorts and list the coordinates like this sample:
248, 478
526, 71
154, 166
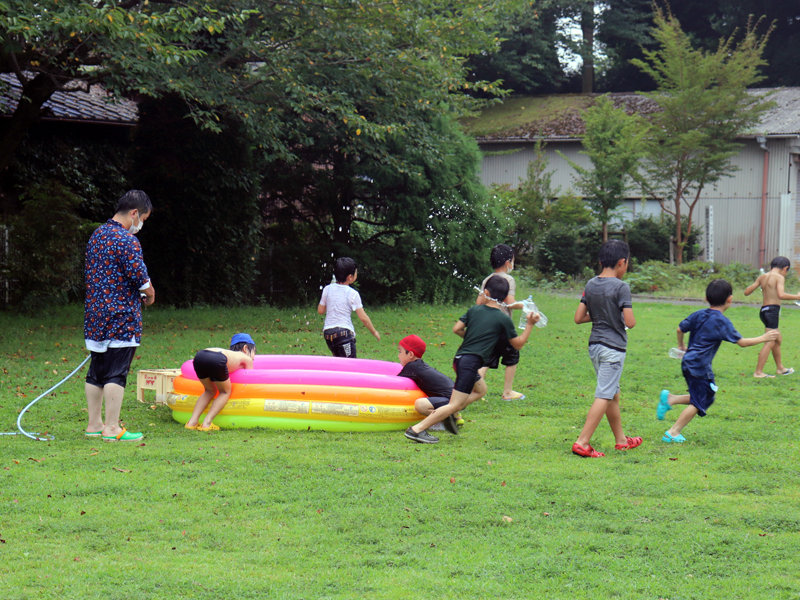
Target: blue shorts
701, 393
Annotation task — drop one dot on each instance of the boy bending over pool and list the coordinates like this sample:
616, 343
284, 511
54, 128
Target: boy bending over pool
437, 386
213, 367
482, 326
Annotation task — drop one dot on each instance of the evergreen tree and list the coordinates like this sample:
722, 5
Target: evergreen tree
526, 59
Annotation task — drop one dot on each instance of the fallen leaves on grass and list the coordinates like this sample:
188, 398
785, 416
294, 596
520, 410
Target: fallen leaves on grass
452, 480
121, 470
507, 519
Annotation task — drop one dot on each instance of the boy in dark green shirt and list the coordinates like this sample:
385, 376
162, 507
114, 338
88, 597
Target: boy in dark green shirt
481, 327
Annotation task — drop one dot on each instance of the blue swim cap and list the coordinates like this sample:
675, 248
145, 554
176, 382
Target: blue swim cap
242, 338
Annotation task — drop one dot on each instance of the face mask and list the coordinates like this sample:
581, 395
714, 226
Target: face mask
136, 228
510, 268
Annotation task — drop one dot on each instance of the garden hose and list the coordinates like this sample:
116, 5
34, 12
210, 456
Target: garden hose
35, 435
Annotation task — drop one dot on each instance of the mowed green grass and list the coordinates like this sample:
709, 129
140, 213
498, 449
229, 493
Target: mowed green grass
503, 510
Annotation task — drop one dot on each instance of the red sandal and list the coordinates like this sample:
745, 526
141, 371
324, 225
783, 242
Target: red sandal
633, 442
588, 452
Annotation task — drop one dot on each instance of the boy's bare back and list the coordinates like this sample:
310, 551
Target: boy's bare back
236, 360
771, 285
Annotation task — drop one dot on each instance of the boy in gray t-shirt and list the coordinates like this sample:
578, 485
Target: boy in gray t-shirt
606, 304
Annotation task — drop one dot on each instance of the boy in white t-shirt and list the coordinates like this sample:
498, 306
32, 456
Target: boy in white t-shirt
338, 301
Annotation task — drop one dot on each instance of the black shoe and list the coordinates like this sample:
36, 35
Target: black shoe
423, 437
450, 424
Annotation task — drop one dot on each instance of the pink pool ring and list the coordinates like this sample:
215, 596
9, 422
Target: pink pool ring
308, 392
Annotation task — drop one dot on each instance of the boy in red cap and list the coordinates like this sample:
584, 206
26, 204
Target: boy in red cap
437, 386
213, 367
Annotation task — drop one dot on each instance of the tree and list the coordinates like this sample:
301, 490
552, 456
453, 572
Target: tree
526, 59
623, 31
267, 64
201, 240
422, 234
61, 46
614, 144
332, 92
625, 24
704, 105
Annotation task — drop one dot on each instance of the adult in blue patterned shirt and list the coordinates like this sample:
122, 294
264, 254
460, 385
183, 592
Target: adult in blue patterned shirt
117, 284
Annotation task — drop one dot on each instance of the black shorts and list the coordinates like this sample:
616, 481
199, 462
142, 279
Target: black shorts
438, 401
209, 364
111, 366
341, 342
701, 393
466, 367
504, 350
770, 315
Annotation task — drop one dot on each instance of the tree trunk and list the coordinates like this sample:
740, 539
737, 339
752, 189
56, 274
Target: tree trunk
678, 240
35, 93
587, 29
605, 231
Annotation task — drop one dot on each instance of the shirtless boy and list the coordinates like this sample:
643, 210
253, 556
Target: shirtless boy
771, 285
213, 367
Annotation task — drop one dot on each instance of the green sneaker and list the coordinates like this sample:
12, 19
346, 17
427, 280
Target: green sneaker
123, 436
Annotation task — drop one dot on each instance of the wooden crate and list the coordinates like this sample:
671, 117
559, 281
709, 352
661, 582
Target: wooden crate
159, 380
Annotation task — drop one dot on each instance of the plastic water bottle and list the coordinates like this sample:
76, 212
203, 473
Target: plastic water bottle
528, 307
676, 353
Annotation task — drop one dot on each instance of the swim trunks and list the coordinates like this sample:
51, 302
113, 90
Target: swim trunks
770, 315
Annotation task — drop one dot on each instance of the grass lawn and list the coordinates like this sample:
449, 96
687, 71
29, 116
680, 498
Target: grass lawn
503, 510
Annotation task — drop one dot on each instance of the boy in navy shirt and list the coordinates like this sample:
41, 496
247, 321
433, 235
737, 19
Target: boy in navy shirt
708, 328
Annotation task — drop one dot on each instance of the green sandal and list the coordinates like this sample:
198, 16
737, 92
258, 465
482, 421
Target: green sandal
123, 436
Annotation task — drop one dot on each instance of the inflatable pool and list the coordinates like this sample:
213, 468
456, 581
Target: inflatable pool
308, 392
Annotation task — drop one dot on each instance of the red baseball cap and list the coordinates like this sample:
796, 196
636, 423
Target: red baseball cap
414, 344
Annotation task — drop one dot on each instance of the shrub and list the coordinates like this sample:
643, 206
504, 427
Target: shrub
738, 274
568, 249
46, 248
648, 238
654, 276
568, 209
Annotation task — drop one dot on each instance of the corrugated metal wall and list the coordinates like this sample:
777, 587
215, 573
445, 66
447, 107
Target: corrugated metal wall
736, 200
745, 183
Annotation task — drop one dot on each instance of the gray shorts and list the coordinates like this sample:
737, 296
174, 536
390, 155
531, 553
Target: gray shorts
608, 365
